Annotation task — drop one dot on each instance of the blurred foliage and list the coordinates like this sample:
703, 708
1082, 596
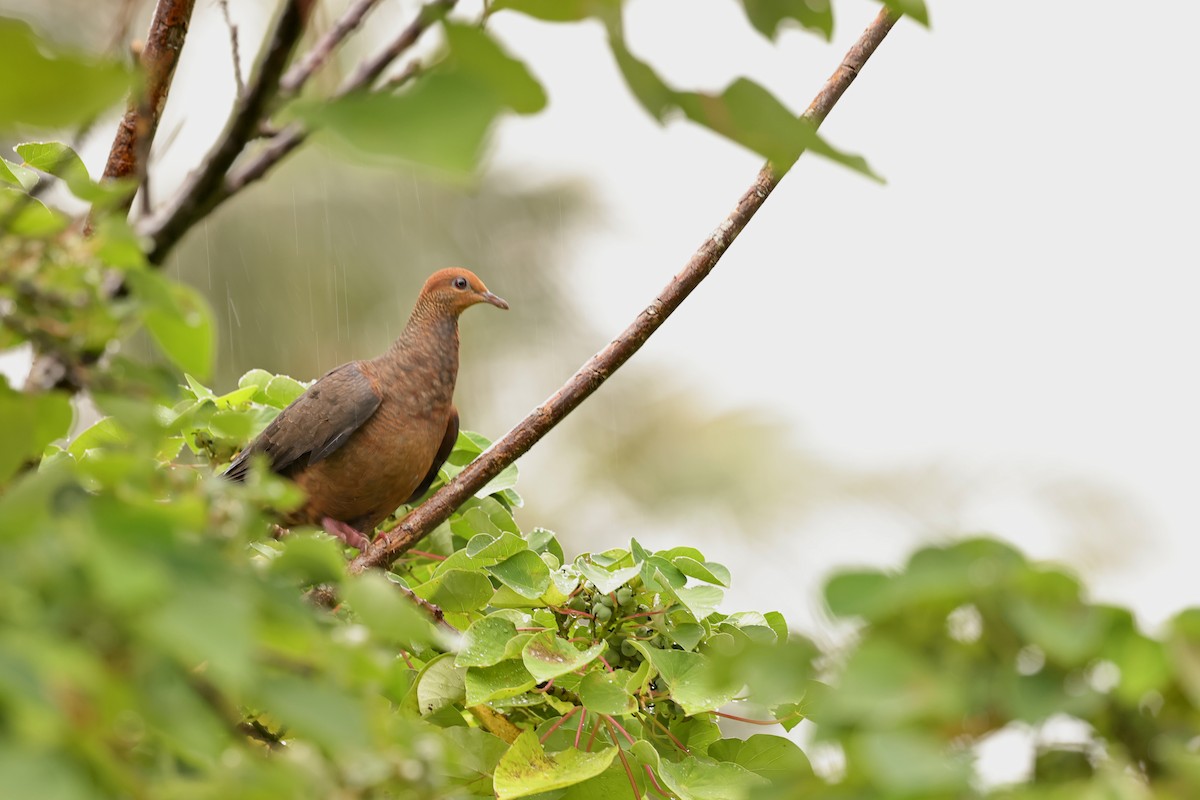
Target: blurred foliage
157, 641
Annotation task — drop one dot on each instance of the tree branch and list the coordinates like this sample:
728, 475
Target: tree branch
135, 133
166, 232
311, 61
200, 192
438, 508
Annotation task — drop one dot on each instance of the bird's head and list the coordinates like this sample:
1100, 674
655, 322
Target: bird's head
457, 289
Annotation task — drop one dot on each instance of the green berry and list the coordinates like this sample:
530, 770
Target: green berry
601, 613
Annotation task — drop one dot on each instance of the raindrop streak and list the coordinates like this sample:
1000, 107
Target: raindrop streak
208, 255
330, 256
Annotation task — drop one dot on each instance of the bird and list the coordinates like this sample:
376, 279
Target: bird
371, 435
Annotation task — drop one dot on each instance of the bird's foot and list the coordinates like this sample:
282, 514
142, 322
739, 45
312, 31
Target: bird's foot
346, 533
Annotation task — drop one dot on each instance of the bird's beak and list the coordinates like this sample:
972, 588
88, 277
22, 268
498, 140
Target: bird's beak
498, 302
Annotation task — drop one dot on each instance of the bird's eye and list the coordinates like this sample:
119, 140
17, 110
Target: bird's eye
460, 283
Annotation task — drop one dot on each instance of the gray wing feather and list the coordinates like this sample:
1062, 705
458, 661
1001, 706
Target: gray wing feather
316, 423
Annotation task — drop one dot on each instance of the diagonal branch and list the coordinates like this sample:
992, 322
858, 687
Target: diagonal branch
599, 367
310, 62
198, 194
135, 133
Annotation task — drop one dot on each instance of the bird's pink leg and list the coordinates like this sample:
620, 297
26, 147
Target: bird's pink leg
346, 533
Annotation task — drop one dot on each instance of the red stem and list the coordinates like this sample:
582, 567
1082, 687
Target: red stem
555, 726
609, 719
426, 554
758, 721
624, 761
671, 736
579, 730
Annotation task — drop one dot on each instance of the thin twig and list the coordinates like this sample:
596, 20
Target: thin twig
200, 192
233, 48
310, 62
599, 367
366, 72
167, 228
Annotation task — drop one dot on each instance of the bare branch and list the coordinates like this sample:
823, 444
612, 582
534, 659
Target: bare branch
167, 227
311, 61
284, 142
159, 56
201, 192
385, 549
372, 68
233, 48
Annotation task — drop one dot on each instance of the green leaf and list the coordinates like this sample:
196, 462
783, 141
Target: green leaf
606, 580
607, 692
1049, 612
440, 122
655, 96
699, 778
686, 634
693, 682
767, 15
28, 216
179, 321
547, 656
524, 572
560, 10
911, 762
912, 8
475, 52
310, 559
29, 422
379, 605
707, 571
457, 590
327, 714
485, 641
48, 87
17, 175
440, 684
59, 160
702, 601
497, 682
887, 683
745, 112
862, 593
203, 624
507, 479
775, 758
443, 119
526, 769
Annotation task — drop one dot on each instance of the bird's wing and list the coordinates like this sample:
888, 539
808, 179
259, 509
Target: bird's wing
316, 424
448, 440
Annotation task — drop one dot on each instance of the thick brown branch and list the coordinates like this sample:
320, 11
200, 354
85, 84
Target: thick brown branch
160, 55
599, 367
201, 192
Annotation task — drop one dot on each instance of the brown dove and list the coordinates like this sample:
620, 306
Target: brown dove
370, 436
